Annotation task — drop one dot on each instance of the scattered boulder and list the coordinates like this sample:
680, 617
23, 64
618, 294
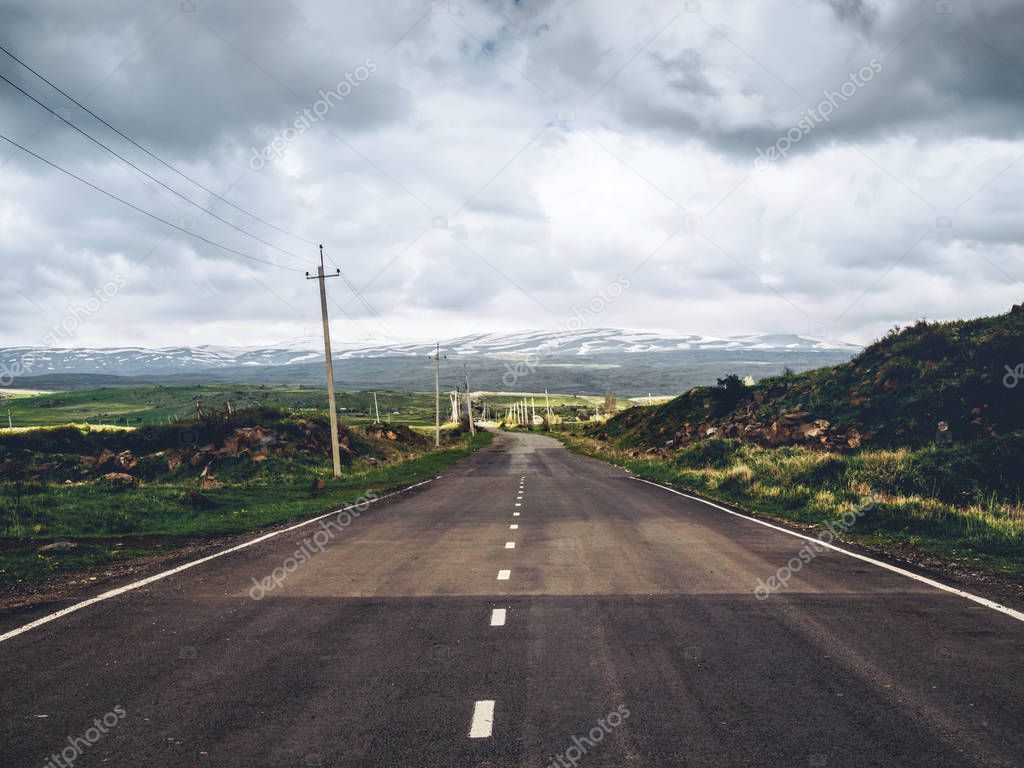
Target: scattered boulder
118, 480
58, 546
207, 480
126, 461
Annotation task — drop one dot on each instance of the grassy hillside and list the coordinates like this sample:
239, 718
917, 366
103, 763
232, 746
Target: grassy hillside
893, 394
861, 438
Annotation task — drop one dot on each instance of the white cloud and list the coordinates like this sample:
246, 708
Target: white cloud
460, 121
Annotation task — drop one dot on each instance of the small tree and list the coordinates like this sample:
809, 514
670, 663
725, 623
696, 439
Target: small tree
729, 393
611, 404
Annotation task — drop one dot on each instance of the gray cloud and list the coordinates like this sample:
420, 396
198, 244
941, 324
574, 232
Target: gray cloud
462, 120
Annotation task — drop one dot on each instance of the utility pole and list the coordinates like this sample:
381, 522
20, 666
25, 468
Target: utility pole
437, 395
376, 409
547, 407
321, 277
469, 401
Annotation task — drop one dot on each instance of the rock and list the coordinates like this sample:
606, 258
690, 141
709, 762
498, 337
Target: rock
106, 461
118, 480
58, 546
207, 480
203, 457
126, 460
318, 484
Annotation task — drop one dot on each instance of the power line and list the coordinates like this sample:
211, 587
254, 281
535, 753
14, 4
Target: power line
111, 195
360, 296
160, 160
148, 175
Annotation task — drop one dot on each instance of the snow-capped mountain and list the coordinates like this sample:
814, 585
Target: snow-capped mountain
587, 361
136, 361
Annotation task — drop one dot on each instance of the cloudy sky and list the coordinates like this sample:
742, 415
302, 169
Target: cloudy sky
822, 167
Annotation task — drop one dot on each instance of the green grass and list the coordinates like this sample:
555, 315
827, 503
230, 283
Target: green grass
893, 394
165, 513
152, 405
908, 500
135, 406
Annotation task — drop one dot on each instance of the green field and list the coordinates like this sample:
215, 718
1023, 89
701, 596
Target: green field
136, 406
139, 406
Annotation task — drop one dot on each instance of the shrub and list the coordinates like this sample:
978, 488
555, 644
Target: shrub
714, 453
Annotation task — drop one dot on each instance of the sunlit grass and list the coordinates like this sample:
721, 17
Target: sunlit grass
817, 487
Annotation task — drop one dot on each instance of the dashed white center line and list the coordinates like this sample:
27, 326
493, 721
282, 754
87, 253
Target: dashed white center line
515, 514
518, 504
514, 527
510, 545
483, 719
498, 617
504, 574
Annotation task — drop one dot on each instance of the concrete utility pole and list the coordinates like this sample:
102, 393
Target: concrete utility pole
437, 396
321, 277
469, 401
376, 409
547, 407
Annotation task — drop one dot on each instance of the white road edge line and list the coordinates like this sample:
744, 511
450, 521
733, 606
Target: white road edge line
185, 566
504, 574
498, 617
483, 719
1018, 615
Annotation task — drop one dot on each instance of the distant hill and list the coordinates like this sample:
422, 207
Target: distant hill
585, 362
894, 393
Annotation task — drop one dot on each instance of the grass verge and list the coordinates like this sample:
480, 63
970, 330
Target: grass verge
898, 513
101, 525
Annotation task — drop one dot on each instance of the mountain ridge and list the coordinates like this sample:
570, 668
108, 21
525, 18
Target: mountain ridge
136, 360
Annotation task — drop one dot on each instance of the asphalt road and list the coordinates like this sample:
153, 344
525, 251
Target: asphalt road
631, 636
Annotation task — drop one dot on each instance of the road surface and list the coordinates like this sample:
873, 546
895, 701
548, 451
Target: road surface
621, 629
